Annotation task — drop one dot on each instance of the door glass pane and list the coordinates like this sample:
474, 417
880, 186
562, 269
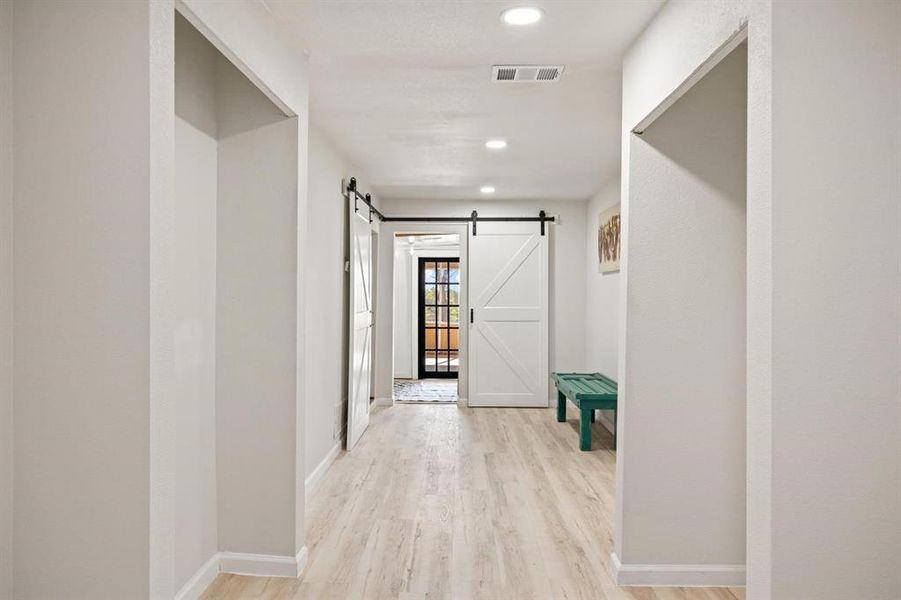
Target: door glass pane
430, 339
442, 272
430, 294
454, 295
430, 272
442, 316
442, 294
454, 362
431, 362
430, 316
442, 361
443, 339
454, 273
454, 315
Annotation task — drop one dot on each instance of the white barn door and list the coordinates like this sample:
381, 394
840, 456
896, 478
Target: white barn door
508, 341
360, 334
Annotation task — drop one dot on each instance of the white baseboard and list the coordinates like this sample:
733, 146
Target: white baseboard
260, 565
604, 420
263, 565
201, 580
301, 560
384, 401
677, 575
311, 483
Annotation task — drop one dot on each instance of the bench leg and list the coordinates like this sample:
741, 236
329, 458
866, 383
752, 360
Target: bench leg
585, 430
561, 407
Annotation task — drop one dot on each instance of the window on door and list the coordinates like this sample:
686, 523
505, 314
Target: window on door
439, 317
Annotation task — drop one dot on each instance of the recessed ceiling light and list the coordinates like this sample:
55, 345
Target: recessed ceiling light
497, 144
523, 15
487, 189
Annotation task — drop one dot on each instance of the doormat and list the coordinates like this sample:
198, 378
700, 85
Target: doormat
425, 390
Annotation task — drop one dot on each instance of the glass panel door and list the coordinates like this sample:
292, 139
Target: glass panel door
439, 317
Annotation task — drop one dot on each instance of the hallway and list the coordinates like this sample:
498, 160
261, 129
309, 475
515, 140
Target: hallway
286, 287
448, 502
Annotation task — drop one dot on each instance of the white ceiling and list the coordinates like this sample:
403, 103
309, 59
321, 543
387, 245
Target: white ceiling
404, 90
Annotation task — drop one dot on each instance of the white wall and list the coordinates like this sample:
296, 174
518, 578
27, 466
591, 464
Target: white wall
97, 230
683, 414
256, 308
601, 292
196, 150
6, 299
236, 331
567, 279
831, 164
404, 309
661, 63
602, 312
326, 388
664, 56
248, 35
326, 309
823, 325
82, 355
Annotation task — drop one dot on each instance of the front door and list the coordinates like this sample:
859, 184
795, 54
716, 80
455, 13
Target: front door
439, 317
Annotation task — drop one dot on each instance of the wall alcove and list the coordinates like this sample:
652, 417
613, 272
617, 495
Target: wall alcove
235, 299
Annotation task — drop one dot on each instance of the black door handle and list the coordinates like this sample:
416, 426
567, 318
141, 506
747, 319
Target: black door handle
472, 313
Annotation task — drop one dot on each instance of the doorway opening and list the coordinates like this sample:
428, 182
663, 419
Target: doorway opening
427, 317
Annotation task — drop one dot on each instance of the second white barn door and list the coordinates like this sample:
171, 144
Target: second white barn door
508, 292
360, 342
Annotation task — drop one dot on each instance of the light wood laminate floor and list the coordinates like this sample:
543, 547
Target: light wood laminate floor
441, 502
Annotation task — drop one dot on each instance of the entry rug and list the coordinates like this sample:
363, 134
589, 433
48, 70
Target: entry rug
425, 390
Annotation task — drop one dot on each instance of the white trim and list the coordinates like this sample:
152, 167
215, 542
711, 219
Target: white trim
311, 483
237, 563
676, 575
200, 581
384, 401
301, 558
263, 565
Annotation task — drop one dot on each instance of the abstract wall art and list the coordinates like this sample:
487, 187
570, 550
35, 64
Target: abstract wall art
608, 240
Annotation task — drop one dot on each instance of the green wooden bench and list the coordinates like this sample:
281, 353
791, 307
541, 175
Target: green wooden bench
590, 392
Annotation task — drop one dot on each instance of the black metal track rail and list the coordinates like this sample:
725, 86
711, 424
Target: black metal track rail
474, 218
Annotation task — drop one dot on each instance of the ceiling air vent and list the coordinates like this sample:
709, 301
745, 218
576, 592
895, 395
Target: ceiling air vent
523, 73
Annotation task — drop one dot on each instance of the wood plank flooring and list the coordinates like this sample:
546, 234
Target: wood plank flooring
442, 502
